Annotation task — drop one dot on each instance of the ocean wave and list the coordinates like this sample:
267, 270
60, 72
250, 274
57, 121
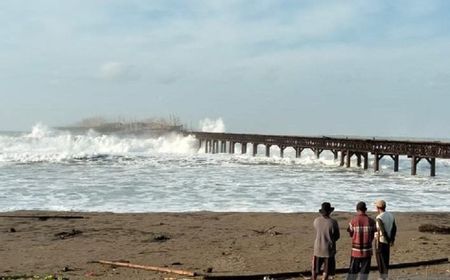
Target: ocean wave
46, 145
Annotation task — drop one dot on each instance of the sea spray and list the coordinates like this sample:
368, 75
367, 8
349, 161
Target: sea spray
209, 125
38, 131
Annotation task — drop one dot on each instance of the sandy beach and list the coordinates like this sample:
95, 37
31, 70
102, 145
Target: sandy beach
199, 241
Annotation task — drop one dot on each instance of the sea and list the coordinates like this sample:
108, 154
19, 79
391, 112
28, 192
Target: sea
47, 169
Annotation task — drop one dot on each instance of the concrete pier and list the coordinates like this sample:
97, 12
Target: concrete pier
343, 149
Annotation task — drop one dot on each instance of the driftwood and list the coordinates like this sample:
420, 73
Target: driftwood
159, 237
269, 231
41, 217
434, 229
65, 234
308, 272
152, 268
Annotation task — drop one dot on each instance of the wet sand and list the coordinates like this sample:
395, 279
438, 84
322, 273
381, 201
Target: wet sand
221, 242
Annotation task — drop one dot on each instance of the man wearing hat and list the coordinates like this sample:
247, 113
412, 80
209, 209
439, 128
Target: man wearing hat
384, 237
327, 233
362, 229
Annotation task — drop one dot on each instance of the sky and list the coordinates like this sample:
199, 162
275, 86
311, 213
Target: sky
363, 68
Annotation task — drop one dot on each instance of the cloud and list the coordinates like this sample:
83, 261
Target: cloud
116, 71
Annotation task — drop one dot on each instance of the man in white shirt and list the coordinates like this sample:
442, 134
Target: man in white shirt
384, 237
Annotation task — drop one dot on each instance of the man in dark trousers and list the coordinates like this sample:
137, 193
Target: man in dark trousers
384, 237
362, 229
327, 233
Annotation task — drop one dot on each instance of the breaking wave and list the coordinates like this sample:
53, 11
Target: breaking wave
45, 144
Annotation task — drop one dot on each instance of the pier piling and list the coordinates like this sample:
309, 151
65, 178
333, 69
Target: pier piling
267, 150
255, 149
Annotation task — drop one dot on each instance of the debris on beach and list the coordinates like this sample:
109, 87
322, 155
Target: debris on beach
434, 229
65, 234
269, 231
159, 237
209, 270
68, 269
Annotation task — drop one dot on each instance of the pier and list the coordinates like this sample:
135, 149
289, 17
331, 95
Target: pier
343, 149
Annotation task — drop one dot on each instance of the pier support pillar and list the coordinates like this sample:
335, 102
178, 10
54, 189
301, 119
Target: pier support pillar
366, 161
358, 159
414, 161
396, 162
432, 162
335, 154
200, 144
207, 143
298, 152
376, 165
243, 148
215, 146
231, 148
318, 152
268, 150
255, 149
348, 158
282, 151
342, 158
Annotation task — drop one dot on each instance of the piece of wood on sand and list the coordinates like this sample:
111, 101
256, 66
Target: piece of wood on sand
147, 267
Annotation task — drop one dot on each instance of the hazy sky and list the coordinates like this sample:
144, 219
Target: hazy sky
377, 68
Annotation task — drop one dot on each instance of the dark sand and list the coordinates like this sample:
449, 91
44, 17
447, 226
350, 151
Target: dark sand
225, 242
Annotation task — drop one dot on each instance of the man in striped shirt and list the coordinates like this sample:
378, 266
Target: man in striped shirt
362, 229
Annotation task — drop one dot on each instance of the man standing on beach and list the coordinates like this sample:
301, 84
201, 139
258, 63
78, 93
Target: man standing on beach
362, 229
384, 237
327, 233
